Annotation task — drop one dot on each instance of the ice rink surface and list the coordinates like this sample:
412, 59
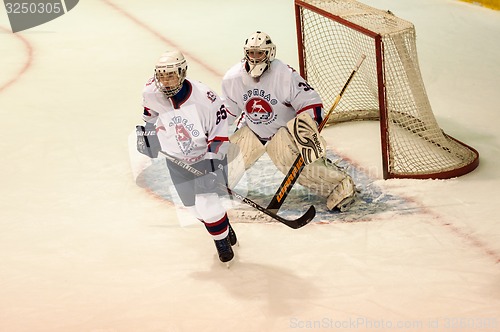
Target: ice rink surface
84, 248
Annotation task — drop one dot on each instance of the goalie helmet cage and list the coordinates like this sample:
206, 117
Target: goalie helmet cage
388, 87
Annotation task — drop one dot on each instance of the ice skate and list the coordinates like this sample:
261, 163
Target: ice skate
232, 237
224, 250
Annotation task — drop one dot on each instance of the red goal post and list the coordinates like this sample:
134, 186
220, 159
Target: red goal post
331, 35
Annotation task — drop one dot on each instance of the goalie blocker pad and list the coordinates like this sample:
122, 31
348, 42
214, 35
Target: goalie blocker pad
147, 141
306, 135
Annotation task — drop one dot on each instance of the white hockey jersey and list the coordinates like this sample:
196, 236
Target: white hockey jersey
190, 126
269, 102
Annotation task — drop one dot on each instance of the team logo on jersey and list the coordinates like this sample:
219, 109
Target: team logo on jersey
184, 132
258, 110
184, 139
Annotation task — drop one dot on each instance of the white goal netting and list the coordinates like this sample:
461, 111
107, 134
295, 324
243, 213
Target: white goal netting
388, 87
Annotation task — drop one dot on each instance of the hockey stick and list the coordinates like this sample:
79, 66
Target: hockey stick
294, 223
297, 166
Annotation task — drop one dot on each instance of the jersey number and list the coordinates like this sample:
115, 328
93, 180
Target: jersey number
221, 114
306, 86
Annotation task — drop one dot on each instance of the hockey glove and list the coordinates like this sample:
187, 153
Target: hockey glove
209, 181
147, 141
215, 176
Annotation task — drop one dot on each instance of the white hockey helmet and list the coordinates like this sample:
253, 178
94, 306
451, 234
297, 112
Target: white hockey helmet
259, 51
170, 72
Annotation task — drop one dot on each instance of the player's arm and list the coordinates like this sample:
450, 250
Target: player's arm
303, 129
218, 141
215, 161
147, 141
148, 115
304, 99
232, 108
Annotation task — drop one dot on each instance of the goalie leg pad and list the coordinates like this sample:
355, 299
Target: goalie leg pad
326, 179
321, 177
236, 165
245, 149
343, 196
282, 150
250, 146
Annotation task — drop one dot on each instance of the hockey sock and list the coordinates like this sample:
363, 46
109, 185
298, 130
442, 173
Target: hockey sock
218, 229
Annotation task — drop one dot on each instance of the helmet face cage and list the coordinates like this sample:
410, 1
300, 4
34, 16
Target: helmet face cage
170, 72
259, 51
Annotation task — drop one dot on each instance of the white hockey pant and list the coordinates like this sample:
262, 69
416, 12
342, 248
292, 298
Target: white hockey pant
209, 210
322, 177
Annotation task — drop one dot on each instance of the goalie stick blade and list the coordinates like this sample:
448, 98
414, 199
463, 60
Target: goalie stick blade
303, 220
292, 223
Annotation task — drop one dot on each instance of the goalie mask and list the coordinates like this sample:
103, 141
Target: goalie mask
259, 52
170, 72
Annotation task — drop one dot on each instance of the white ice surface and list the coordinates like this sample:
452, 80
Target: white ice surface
84, 248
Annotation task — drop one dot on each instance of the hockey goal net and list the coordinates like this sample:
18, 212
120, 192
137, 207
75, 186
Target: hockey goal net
332, 35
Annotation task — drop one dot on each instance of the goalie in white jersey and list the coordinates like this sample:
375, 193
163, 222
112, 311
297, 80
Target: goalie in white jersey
265, 96
188, 121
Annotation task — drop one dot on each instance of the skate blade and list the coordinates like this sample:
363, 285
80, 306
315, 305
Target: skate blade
228, 264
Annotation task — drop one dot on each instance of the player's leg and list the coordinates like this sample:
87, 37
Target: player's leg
205, 207
216, 221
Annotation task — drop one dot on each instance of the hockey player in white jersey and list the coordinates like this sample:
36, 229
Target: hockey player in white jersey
190, 122
265, 95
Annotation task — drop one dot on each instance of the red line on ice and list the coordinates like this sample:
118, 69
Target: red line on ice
27, 64
162, 38
436, 219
